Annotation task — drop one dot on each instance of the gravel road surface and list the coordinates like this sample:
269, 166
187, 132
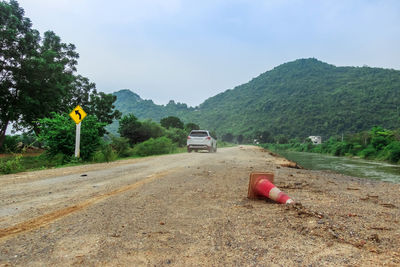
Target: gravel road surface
192, 210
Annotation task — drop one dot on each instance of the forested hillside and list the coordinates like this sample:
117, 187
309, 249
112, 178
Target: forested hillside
129, 102
296, 99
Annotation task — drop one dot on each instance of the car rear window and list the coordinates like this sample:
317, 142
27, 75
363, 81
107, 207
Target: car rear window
198, 134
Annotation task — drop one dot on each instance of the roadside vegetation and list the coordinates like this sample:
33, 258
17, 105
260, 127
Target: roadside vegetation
57, 142
376, 144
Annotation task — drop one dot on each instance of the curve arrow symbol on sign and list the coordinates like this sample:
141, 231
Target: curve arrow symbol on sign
79, 114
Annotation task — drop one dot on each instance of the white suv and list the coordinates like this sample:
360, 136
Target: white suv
201, 140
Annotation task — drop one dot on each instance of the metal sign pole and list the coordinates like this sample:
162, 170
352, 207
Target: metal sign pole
77, 140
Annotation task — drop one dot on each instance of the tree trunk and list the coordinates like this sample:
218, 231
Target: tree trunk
3, 130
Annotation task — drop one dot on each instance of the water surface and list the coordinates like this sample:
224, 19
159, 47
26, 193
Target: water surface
350, 166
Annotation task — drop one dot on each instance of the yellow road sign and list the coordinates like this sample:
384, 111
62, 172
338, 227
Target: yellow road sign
78, 114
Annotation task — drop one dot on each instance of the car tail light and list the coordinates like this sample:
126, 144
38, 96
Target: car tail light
208, 138
188, 137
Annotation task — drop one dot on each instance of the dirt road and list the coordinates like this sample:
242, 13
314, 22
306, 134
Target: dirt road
192, 209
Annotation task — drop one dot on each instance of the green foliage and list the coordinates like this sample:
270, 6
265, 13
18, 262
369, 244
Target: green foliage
191, 126
161, 145
177, 136
129, 127
120, 145
393, 150
171, 122
18, 44
135, 131
378, 143
150, 129
281, 139
15, 143
58, 134
11, 165
84, 93
58, 159
47, 77
368, 152
104, 154
10, 144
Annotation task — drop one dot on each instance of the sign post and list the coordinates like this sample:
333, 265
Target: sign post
78, 140
77, 114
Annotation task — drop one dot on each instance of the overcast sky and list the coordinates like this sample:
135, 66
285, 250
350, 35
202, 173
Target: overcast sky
190, 50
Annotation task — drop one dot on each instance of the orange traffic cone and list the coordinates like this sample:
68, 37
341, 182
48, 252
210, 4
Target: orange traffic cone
261, 186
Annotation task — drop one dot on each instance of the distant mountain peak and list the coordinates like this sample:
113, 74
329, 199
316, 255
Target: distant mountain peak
126, 93
305, 63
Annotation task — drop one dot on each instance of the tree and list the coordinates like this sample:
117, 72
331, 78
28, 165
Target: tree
18, 42
46, 79
178, 136
129, 127
171, 122
191, 126
150, 129
136, 131
84, 93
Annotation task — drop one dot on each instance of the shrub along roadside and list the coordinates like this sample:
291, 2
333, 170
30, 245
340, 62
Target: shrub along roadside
11, 165
58, 137
157, 146
377, 144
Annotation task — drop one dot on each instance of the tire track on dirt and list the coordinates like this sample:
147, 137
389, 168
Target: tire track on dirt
58, 214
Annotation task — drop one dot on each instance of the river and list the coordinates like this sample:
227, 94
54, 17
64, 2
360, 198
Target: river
350, 166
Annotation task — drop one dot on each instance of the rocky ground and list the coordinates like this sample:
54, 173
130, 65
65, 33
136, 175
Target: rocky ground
192, 209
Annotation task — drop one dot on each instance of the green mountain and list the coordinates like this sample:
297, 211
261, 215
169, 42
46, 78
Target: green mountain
129, 102
297, 99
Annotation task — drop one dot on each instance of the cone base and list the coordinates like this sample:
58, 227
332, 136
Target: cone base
254, 178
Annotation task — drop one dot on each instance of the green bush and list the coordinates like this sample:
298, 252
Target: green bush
340, 148
368, 152
57, 159
393, 150
356, 149
10, 144
178, 136
138, 131
11, 165
378, 144
161, 145
120, 145
104, 154
58, 134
